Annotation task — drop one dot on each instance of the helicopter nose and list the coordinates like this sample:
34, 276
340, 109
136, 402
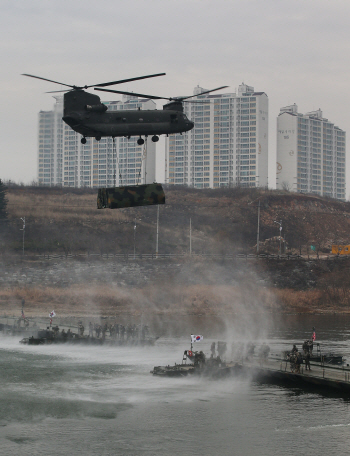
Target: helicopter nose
190, 125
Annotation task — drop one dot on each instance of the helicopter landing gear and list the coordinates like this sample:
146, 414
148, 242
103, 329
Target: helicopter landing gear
83, 140
98, 138
140, 141
155, 138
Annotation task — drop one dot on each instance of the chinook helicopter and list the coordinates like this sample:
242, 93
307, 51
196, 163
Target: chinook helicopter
86, 115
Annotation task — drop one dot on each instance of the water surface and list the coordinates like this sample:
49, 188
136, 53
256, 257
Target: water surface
62, 399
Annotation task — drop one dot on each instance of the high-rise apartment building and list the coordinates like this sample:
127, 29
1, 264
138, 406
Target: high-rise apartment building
46, 156
228, 145
64, 161
310, 153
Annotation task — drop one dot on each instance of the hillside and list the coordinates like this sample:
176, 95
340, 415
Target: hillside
223, 220
88, 277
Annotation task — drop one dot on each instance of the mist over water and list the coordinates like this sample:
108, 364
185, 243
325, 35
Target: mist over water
103, 400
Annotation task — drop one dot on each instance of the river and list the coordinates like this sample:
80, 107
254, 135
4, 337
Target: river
65, 399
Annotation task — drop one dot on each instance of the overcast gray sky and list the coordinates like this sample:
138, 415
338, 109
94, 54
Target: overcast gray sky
296, 51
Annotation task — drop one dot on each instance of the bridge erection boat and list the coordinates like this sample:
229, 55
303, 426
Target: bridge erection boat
322, 379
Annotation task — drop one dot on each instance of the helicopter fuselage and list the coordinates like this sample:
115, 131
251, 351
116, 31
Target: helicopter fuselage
86, 115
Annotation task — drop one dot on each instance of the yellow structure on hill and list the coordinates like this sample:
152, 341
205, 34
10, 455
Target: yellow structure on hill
341, 249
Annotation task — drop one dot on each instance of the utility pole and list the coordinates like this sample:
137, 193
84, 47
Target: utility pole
190, 237
281, 237
257, 234
157, 231
280, 224
134, 238
23, 229
258, 228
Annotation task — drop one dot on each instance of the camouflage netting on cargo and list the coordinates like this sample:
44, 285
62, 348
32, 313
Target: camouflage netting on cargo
136, 195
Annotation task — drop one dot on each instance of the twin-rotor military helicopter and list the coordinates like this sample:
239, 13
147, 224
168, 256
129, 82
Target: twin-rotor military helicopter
86, 115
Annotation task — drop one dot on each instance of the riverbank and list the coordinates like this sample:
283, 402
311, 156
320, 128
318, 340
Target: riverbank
91, 300
181, 286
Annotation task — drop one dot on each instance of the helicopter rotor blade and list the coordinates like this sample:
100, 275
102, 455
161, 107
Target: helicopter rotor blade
195, 101
105, 84
203, 93
49, 80
154, 97
121, 81
59, 91
134, 94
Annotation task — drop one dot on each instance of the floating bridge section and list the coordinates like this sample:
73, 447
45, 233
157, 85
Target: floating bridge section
321, 378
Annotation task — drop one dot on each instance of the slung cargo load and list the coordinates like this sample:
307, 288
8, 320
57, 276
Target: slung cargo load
130, 196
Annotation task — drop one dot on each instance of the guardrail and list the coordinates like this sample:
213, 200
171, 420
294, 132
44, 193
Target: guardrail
154, 256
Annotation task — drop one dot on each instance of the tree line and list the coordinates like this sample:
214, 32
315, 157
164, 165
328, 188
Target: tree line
3, 202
